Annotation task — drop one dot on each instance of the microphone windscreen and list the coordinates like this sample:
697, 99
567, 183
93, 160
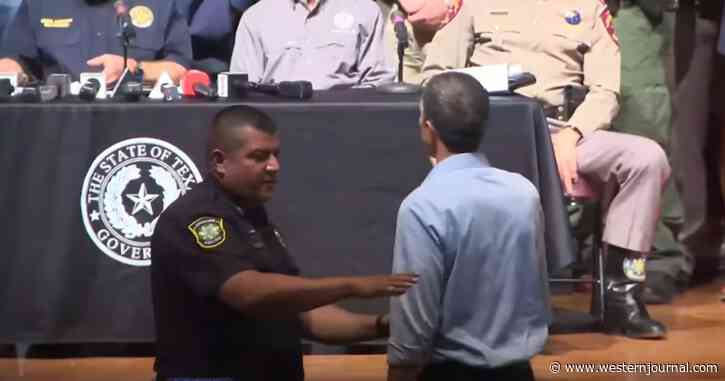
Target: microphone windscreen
401, 33
397, 16
6, 87
204, 90
48, 93
89, 90
295, 89
62, 82
120, 7
192, 78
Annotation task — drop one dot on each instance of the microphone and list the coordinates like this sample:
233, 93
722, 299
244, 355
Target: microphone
89, 89
132, 91
12, 79
47, 93
125, 30
62, 82
197, 83
203, 90
401, 32
285, 89
29, 95
170, 93
232, 85
6, 89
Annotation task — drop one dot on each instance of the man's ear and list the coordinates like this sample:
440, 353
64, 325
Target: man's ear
217, 159
429, 133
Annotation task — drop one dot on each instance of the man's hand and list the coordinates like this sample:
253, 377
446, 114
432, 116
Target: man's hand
112, 66
8, 65
382, 285
564, 143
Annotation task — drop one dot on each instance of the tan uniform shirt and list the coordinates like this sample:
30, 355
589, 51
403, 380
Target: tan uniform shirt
561, 42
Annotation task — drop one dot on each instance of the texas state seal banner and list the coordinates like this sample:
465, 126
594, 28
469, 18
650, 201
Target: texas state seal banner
125, 190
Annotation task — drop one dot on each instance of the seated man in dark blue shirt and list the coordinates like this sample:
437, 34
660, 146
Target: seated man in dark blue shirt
212, 24
74, 36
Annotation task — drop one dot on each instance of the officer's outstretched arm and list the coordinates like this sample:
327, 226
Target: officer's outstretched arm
266, 294
333, 325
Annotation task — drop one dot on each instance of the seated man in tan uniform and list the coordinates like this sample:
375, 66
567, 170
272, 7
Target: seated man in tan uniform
424, 19
565, 42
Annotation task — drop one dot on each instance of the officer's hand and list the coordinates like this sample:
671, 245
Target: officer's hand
565, 152
112, 66
382, 285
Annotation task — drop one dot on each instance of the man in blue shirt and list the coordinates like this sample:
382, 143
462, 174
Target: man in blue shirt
74, 36
474, 235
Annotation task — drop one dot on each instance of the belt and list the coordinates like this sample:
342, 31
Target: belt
451, 370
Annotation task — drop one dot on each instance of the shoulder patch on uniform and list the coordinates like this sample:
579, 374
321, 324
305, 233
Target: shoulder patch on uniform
454, 7
208, 231
141, 16
609, 24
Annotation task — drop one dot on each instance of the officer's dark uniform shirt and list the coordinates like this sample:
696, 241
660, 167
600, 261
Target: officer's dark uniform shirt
199, 242
59, 36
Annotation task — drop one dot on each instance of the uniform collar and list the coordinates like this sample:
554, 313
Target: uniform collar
303, 3
457, 162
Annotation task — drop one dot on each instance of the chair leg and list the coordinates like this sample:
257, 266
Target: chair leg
598, 258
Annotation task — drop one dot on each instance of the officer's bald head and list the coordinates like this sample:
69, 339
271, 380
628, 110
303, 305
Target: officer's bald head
225, 130
456, 105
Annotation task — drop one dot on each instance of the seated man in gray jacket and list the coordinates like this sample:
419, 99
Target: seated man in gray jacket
331, 43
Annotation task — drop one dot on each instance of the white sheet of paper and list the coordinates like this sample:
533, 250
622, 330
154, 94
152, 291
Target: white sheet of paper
494, 78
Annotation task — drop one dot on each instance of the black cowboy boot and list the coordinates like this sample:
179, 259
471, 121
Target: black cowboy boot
624, 311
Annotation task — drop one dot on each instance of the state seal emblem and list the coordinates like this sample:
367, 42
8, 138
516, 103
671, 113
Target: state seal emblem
126, 188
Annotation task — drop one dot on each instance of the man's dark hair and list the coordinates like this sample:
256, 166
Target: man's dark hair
457, 106
235, 117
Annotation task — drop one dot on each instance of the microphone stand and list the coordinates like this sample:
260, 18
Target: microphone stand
126, 33
399, 87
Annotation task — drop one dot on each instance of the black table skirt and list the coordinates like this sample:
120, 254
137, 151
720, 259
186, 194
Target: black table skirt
348, 159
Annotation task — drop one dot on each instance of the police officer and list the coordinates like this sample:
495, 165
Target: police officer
228, 299
74, 36
563, 43
697, 102
644, 30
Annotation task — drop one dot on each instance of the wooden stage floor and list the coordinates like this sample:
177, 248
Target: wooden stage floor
697, 336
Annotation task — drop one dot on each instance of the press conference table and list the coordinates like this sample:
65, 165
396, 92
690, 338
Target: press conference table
348, 159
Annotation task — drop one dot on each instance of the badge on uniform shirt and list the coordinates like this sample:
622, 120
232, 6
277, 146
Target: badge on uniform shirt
572, 17
141, 16
634, 269
208, 231
56, 23
344, 21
